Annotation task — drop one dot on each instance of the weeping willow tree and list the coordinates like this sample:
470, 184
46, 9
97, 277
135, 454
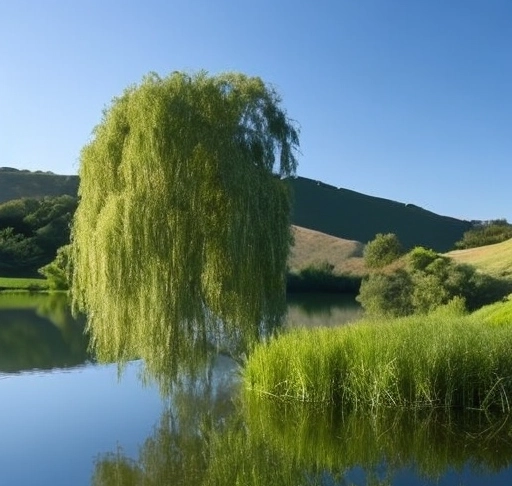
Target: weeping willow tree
182, 229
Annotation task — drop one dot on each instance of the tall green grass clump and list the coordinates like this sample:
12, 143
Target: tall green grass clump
499, 314
445, 359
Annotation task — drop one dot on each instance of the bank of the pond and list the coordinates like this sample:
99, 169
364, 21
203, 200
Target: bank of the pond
8, 284
446, 359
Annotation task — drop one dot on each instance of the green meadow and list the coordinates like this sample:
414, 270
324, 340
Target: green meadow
495, 260
22, 284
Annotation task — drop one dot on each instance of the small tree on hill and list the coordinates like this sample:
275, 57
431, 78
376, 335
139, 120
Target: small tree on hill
420, 258
383, 250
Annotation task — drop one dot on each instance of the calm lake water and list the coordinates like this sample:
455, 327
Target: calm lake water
67, 420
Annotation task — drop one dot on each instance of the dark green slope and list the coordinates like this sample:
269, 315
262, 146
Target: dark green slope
355, 216
15, 184
318, 206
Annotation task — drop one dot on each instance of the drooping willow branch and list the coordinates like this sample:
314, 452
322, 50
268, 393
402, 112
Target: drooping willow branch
183, 220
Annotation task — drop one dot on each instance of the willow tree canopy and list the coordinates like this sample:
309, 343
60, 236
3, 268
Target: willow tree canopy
183, 218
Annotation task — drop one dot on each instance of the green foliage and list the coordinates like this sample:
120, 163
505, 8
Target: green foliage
382, 250
419, 258
31, 231
11, 242
51, 221
183, 222
18, 254
485, 233
445, 359
429, 280
387, 294
58, 272
428, 292
13, 214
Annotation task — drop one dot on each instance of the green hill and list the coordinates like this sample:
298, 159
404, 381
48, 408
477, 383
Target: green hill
317, 206
494, 259
355, 216
15, 184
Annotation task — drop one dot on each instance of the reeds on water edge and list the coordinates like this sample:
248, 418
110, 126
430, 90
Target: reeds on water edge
445, 359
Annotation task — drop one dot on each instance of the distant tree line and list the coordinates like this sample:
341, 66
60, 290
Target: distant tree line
24, 171
31, 232
485, 233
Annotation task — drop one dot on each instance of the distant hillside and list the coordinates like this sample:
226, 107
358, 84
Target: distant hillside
312, 248
15, 184
355, 216
494, 259
317, 206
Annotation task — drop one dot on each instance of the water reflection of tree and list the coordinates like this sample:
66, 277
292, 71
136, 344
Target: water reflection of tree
432, 442
311, 310
178, 452
206, 438
40, 333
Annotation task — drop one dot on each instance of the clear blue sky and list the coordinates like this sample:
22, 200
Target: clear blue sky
409, 100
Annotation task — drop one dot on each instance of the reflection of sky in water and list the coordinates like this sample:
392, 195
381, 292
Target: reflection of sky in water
54, 424
409, 477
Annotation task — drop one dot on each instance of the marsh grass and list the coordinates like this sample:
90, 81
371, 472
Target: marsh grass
446, 359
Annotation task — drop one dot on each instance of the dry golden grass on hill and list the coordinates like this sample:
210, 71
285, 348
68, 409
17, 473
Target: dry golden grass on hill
495, 259
312, 247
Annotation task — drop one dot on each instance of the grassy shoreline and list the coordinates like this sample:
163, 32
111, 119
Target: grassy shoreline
8, 284
446, 359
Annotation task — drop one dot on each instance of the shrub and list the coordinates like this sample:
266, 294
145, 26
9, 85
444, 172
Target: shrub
428, 293
382, 251
420, 258
486, 233
57, 272
387, 294
429, 281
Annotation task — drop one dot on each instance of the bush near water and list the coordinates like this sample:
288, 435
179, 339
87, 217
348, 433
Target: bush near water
421, 281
